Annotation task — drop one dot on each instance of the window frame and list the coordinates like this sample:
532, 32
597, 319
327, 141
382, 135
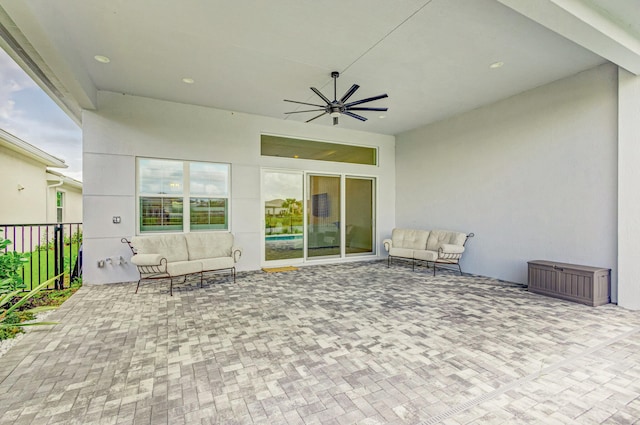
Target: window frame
60, 201
185, 196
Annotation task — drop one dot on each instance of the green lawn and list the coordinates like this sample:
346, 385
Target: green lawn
40, 266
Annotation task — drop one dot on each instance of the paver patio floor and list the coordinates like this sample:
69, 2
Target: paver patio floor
354, 343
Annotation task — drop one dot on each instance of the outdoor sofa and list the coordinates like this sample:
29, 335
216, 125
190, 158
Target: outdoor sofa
179, 255
433, 247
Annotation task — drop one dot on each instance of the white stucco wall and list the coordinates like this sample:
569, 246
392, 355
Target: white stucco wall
125, 127
26, 206
533, 176
629, 180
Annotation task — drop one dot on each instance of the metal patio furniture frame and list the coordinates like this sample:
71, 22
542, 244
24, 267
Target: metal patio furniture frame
155, 272
444, 260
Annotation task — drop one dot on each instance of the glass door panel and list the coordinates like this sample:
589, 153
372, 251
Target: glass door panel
359, 215
323, 216
283, 215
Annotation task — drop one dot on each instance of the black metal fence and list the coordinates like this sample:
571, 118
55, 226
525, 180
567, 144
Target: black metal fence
51, 248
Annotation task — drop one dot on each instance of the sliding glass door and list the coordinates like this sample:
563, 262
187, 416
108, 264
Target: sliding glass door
282, 192
332, 216
323, 216
359, 215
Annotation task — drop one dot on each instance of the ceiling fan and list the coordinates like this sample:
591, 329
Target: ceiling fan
336, 107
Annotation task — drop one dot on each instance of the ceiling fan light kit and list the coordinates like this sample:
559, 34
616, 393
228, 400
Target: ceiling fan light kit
336, 107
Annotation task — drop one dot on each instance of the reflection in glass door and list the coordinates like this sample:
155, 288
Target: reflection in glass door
323, 216
359, 218
283, 215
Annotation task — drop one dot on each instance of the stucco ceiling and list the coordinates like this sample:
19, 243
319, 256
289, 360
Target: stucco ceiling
432, 57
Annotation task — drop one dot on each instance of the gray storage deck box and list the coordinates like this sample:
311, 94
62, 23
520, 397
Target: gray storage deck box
582, 284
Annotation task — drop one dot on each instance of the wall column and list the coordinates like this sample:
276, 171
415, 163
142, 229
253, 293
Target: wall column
628, 190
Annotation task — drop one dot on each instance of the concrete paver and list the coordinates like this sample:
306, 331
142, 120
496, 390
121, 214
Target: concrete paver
355, 343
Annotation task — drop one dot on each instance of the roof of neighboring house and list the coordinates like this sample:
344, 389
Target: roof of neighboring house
66, 180
274, 203
13, 143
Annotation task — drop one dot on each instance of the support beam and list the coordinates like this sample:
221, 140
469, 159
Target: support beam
628, 199
585, 26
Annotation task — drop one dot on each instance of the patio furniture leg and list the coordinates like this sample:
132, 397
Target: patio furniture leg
434, 269
171, 287
201, 279
233, 272
388, 261
138, 286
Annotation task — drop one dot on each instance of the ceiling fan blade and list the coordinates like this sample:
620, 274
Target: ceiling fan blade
367, 109
316, 91
324, 113
304, 103
356, 116
349, 93
308, 110
369, 99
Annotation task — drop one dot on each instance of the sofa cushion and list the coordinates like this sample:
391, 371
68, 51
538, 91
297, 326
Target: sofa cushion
179, 268
173, 247
409, 238
439, 237
204, 245
147, 259
425, 255
451, 249
221, 263
401, 252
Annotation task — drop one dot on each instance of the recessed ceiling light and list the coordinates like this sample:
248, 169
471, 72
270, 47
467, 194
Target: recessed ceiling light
382, 116
496, 65
188, 80
102, 59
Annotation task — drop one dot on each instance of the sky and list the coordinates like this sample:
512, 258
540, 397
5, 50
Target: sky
28, 113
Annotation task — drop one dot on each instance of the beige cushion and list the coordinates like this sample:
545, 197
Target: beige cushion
387, 244
146, 259
180, 268
409, 238
452, 249
425, 255
439, 237
173, 247
220, 263
401, 252
204, 245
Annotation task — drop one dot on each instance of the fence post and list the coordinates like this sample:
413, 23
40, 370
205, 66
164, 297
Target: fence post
58, 255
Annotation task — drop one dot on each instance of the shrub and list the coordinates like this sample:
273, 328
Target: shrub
76, 238
12, 319
10, 264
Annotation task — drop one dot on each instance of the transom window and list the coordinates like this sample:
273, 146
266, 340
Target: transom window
182, 196
288, 147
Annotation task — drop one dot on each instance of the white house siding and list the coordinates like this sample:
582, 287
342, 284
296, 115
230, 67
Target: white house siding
125, 127
24, 206
73, 213
533, 176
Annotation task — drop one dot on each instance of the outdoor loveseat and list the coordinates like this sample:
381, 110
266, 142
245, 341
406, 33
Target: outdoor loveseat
433, 247
179, 255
